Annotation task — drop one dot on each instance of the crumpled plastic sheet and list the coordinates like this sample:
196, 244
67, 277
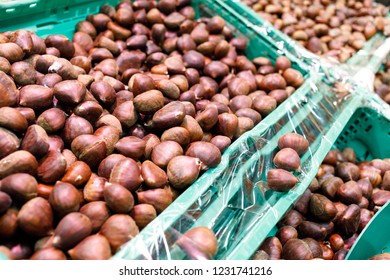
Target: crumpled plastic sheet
233, 199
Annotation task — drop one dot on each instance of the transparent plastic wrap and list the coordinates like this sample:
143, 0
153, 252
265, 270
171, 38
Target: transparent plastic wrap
363, 64
264, 27
365, 55
367, 134
189, 206
366, 67
233, 199
334, 30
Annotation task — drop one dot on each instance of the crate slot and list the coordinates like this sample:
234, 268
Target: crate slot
46, 24
368, 128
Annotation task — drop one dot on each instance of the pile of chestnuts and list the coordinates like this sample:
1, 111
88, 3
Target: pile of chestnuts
100, 134
339, 203
336, 29
382, 83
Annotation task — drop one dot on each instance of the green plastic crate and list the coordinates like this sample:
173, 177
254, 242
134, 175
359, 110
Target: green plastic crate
50, 18
19, 10
375, 238
368, 133
233, 199
217, 198
46, 17
365, 55
361, 58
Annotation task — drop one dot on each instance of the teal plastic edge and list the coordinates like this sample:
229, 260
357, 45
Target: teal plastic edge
260, 231
2, 257
363, 102
201, 186
166, 219
280, 110
50, 17
43, 32
14, 9
66, 20
374, 238
276, 35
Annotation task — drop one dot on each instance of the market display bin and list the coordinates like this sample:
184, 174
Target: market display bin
60, 17
234, 199
360, 59
367, 132
363, 65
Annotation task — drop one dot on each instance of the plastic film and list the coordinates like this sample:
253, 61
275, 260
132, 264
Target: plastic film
366, 130
335, 30
233, 199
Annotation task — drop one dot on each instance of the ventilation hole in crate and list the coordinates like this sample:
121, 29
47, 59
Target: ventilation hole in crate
368, 128
356, 122
46, 24
10, 10
32, 5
